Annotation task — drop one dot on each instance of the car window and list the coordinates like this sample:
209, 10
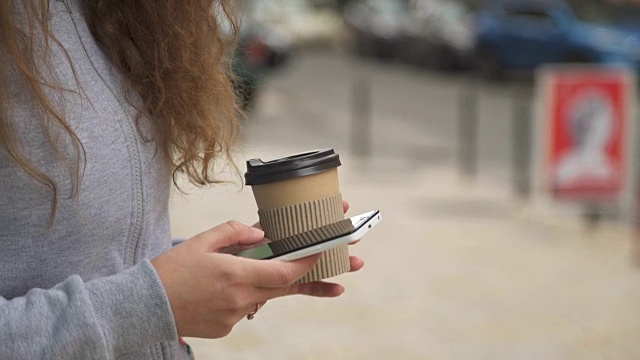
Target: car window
387, 7
528, 14
609, 12
443, 9
454, 11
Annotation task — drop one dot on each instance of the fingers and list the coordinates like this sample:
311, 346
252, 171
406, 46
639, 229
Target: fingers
356, 263
257, 225
317, 289
232, 250
231, 233
252, 310
280, 274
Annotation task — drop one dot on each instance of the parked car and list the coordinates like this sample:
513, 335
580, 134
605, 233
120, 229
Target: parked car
260, 49
305, 24
376, 26
523, 34
438, 33
269, 46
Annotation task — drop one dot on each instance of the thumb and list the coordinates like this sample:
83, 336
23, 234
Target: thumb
231, 233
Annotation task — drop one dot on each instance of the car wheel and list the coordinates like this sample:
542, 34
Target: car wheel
488, 65
431, 60
383, 50
444, 59
362, 45
407, 52
578, 57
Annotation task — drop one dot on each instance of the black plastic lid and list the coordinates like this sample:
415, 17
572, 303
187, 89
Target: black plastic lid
291, 167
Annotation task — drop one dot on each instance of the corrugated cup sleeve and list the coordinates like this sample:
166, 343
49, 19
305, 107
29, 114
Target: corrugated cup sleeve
282, 222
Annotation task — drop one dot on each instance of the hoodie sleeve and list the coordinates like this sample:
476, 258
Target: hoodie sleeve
98, 319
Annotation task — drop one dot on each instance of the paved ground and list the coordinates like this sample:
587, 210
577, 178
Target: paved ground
314, 94
455, 271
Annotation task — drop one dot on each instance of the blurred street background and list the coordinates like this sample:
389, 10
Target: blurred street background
431, 105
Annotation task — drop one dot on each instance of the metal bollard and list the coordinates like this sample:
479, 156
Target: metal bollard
521, 143
468, 130
592, 215
361, 120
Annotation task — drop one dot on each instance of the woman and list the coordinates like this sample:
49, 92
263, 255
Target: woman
102, 104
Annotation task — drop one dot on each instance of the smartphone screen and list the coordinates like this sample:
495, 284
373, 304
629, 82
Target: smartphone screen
307, 239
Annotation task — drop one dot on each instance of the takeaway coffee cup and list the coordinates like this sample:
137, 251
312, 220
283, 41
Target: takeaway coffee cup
299, 193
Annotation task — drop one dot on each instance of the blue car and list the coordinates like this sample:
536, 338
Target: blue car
523, 34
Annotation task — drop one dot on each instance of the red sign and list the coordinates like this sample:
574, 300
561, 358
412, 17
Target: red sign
588, 129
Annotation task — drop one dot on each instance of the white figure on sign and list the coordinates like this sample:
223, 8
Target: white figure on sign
591, 125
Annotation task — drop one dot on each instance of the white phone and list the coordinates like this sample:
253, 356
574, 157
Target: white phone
315, 241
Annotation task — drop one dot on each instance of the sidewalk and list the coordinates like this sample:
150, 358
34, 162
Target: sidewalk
453, 272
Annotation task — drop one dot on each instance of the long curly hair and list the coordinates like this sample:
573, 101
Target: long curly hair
174, 55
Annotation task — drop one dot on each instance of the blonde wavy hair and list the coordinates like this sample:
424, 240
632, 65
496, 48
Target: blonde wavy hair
174, 56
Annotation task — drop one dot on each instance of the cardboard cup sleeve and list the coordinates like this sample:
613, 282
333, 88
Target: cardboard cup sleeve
285, 221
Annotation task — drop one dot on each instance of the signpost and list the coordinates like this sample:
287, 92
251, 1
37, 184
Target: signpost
586, 127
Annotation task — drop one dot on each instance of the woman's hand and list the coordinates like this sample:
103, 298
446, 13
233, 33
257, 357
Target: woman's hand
210, 292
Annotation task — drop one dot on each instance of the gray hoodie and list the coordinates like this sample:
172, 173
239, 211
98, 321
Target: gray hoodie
82, 287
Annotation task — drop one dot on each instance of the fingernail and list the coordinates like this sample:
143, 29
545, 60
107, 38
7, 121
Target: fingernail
257, 232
